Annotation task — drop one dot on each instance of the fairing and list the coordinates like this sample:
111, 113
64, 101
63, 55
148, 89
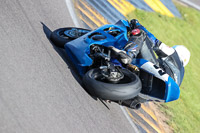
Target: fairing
171, 88
79, 50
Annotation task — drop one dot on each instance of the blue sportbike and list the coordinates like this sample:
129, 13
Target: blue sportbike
105, 77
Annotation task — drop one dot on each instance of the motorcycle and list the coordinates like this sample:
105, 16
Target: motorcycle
105, 77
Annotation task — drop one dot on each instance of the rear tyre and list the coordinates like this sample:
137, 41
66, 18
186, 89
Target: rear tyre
60, 38
128, 87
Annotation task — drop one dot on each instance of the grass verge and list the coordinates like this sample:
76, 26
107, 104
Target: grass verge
184, 114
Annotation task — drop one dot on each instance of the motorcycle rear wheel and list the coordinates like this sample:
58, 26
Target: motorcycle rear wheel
129, 87
59, 38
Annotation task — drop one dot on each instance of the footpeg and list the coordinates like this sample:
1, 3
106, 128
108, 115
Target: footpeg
133, 68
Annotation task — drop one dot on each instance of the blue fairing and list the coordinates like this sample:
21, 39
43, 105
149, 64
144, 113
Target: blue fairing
139, 62
122, 23
172, 90
79, 49
77, 54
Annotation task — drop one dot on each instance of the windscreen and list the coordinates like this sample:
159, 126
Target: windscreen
176, 66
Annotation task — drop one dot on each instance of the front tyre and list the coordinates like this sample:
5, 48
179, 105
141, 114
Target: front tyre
128, 87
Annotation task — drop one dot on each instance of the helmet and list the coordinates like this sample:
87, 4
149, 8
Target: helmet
135, 32
183, 53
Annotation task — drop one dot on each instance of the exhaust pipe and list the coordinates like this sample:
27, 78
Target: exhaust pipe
133, 103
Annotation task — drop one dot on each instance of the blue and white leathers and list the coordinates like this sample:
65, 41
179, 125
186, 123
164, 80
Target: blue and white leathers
79, 50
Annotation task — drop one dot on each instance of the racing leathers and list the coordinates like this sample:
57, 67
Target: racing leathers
167, 56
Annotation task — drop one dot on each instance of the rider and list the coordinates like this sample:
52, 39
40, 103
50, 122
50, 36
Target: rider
170, 58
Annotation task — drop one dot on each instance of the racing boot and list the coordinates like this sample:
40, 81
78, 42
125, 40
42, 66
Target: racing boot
121, 55
134, 23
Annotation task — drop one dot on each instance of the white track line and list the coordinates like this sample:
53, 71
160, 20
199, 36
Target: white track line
129, 119
191, 4
70, 7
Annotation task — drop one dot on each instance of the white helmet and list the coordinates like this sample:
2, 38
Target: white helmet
183, 53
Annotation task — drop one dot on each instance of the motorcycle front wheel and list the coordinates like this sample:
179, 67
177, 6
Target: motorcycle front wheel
127, 88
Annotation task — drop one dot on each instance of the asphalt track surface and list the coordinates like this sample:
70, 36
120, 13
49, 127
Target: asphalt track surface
39, 90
